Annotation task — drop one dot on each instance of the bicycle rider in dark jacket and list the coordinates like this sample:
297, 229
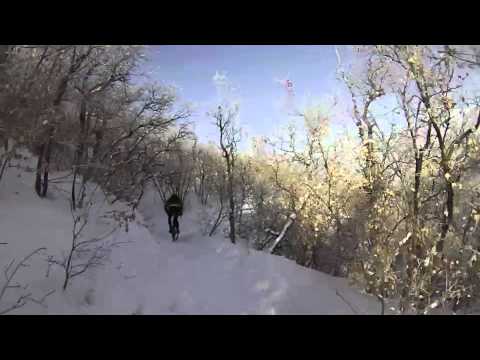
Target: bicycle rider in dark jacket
174, 208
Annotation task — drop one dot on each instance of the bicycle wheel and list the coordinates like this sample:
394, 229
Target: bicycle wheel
175, 234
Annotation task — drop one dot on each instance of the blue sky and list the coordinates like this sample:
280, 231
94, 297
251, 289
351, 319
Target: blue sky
251, 69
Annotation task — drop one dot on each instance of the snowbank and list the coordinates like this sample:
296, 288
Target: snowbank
152, 275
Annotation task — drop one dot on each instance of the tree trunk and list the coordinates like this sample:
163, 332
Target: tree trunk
38, 177
7, 156
416, 201
73, 187
202, 192
48, 153
231, 216
279, 238
4, 49
96, 153
79, 153
219, 219
447, 217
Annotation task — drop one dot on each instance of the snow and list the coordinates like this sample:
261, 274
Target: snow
151, 274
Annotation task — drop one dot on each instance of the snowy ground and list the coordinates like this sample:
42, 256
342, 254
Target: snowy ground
152, 275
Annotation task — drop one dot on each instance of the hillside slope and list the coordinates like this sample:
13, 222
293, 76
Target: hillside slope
152, 275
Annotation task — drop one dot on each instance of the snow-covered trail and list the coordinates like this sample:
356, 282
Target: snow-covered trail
152, 275
208, 275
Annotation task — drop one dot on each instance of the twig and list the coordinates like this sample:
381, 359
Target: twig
10, 276
42, 299
346, 302
23, 299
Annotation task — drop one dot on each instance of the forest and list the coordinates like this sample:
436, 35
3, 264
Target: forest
393, 205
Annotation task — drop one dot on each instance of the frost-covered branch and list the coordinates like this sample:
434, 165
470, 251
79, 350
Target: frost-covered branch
289, 223
85, 253
9, 273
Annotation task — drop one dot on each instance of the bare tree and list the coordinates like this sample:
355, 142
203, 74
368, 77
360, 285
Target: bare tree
177, 172
108, 68
75, 61
133, 154
25, 297
228, 140
4, 131
221, 193
86, 253
203, 167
